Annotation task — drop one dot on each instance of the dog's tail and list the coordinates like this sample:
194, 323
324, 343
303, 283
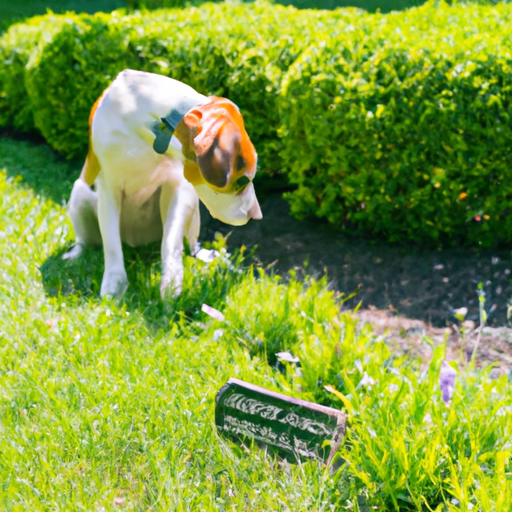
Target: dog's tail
91, 167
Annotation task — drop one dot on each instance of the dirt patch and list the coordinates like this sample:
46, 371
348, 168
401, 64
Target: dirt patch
427, 284
409, 337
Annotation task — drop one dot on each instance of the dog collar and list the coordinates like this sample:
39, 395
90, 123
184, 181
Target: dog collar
164, 129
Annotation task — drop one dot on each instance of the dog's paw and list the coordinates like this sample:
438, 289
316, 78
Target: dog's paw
73, 253
114, 284
171, 286
171, 283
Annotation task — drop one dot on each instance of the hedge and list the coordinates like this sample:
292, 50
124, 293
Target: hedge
395, 126
406, 134
239, 51
16, 47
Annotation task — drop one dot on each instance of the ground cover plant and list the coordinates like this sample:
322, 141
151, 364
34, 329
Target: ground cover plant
108, 405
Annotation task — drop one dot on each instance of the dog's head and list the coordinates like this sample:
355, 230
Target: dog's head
221, 160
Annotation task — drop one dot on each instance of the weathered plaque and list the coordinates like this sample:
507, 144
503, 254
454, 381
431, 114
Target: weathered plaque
292, 428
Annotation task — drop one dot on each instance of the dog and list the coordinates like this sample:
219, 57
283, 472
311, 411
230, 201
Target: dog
155, 147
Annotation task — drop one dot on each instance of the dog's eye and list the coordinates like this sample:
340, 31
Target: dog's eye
241, 183
240, 164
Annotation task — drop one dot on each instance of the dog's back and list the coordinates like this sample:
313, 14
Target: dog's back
122, 125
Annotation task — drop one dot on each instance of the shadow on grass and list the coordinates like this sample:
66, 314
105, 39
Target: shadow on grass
51, 177
42, 169
80, 280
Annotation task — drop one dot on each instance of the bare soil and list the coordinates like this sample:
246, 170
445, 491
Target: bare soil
408, 336
416, 282
407, 293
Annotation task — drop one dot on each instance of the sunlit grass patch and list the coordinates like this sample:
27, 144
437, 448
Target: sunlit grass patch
108, 404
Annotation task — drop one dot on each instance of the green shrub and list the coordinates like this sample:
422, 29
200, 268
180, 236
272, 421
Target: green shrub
405, 133
16, 47
235, 50
66, 76
241, 52
393, 125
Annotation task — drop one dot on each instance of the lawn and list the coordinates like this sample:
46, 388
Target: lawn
108, 405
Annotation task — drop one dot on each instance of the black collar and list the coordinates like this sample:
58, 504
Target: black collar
164, 129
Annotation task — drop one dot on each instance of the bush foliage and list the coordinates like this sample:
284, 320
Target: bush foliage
239, 51
402, 129
16, 47
392, 125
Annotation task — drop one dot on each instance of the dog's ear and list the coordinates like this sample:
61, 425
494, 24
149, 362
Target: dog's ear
215, 136
186, 131
192, 120
209, 131
216, 146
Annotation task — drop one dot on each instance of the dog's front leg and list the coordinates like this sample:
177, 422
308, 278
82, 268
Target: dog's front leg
179, 208
114, 281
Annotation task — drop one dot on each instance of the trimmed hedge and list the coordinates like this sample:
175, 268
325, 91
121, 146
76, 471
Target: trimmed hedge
397, 126
67, 74
239, 51
406, 134
16, 47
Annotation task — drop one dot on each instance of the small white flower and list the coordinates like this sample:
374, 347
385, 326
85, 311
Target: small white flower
207, 255
460, 313
288, 357
217, 334
366, 381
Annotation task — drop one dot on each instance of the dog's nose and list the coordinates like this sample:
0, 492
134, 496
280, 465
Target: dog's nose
255, 211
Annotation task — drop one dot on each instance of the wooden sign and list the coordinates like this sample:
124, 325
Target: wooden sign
292, 428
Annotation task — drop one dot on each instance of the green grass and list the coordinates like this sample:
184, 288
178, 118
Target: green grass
108, 405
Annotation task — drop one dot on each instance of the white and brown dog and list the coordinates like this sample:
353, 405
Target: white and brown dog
155, 146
